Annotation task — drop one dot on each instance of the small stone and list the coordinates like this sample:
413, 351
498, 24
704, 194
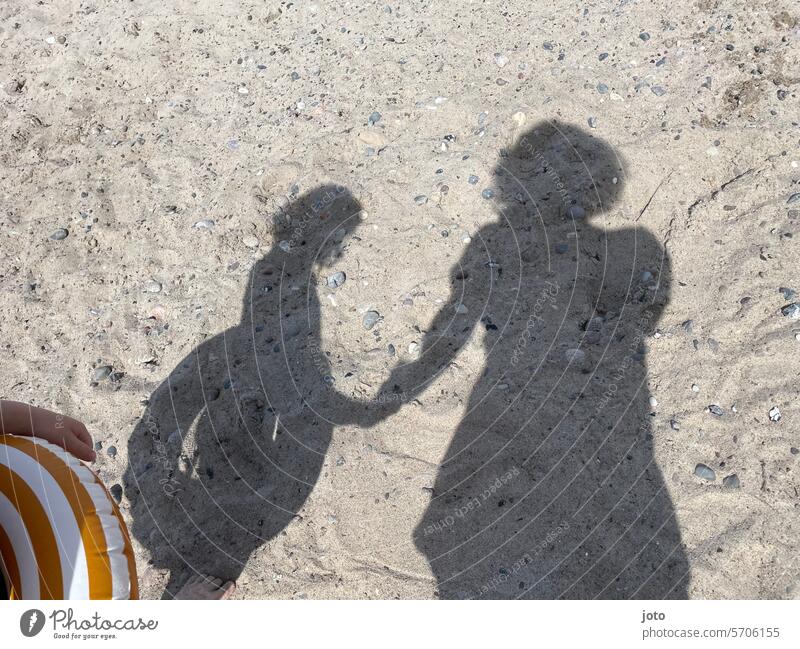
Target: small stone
576, 212
101, 373
781, 94
653, 402
461, 308
60, 234
473, 180
250, 241
204, 224
413, 348
695, 387
592, 122
112, 451
794, 198
731, 481
792, 311
374, 118
603, 56
421, 199
646, 276
687, 325
116, 492
714, 409
286, 246
336, 280
774, 414
153, 287
500, 60
794, 450
674, 424
644, 36
370, 319
705, 472
788, 294
575, 356
243, 90
658, 91
390, 349
602, 88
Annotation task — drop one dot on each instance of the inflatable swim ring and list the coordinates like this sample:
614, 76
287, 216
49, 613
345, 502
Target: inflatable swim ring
61, 533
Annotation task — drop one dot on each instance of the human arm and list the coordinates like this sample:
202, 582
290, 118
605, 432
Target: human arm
30, 421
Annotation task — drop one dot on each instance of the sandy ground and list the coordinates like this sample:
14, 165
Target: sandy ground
171, 140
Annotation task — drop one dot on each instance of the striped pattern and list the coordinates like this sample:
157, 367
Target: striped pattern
61, 533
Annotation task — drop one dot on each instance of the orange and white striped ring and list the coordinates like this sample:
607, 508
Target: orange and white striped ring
61, 533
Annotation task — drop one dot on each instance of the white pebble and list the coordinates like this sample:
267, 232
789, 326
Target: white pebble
695, 387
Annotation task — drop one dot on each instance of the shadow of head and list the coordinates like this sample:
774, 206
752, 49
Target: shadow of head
559, 170
313, 230
310, 235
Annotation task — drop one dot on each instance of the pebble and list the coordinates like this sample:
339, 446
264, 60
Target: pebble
705, 472
788, 294
674, 424
731, 481
653, 402
250, 241
602, 88
603, 56
500, 60
658, 91
205, 224
374, 118
695, 387
576, 212
60, 234
487, 193
286, 246
421, 199
370, 319
794, 198
336, 280
792, 311
473, 180
774, 414
153, 287
644, 36
390, 349
592, 122
112, 451
116, 492
714, 409
413, 348
461, 309
101, 373
575, 355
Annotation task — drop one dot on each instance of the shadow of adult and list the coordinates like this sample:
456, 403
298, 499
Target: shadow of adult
233, 441
549, 487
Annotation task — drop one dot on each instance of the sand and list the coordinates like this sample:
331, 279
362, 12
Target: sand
171, 141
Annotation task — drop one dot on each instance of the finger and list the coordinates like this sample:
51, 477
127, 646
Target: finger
228, 589
78, 448
81, 432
